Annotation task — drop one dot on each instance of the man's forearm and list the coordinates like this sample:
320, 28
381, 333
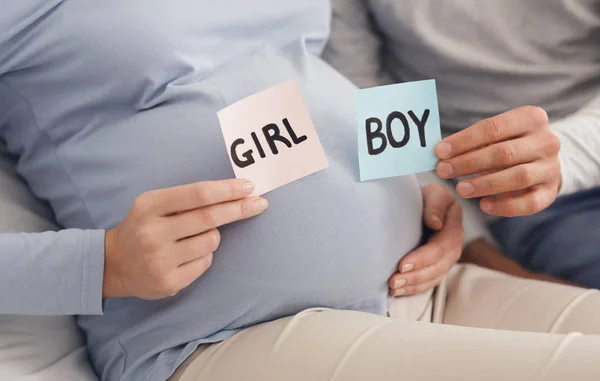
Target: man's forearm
481, 253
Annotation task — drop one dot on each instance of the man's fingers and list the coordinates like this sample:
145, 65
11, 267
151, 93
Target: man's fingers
496, 156
519, 203
505, 126
163, 202
437, 200
520, 177
201, 220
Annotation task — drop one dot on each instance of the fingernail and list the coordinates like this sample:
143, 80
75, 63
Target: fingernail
406, 268
400, 292
248, 188
443, 150
465, 189
260, 204
445, 170
437, 221
486, 206
399, 283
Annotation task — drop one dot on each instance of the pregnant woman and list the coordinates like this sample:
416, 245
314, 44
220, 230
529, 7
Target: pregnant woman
113, 104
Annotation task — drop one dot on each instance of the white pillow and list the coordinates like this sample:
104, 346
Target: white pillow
35, 348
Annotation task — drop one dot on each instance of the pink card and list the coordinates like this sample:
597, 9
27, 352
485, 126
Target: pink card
271, 139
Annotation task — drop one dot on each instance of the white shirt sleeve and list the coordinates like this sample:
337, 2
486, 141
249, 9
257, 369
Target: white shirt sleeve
579, 155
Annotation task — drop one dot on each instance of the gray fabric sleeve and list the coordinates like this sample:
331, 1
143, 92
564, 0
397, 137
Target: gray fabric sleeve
579, 155
51, 273
354, 47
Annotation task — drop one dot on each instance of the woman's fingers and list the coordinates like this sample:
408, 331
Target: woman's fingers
164, 202
189, 272
437, 200
516, 178
421, 279
201, 220
198, 246
168, 237
418, 288
448, 238
421, 268
425, 275
420, 276
422, 257
519, 203
452, 233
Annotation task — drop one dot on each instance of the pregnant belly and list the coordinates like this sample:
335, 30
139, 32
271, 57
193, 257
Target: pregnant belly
326, 241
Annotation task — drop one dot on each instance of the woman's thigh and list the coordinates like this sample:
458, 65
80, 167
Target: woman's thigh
476, 297
332, 345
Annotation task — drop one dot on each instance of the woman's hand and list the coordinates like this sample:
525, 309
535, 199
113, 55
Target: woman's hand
516, 157
168, 239
425, 267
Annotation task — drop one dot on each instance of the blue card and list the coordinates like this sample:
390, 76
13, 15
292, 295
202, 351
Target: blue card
398, 128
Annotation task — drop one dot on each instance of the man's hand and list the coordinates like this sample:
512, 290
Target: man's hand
425, 267
168, 238
516, 157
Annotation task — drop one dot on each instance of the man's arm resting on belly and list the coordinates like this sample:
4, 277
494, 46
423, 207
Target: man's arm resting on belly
52, 273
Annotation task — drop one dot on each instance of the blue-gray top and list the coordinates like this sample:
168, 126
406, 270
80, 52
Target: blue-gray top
103, 100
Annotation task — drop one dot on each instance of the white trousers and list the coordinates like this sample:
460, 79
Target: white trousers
477, 325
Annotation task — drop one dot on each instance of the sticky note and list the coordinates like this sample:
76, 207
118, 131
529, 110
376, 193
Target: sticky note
398, 128
271, 139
